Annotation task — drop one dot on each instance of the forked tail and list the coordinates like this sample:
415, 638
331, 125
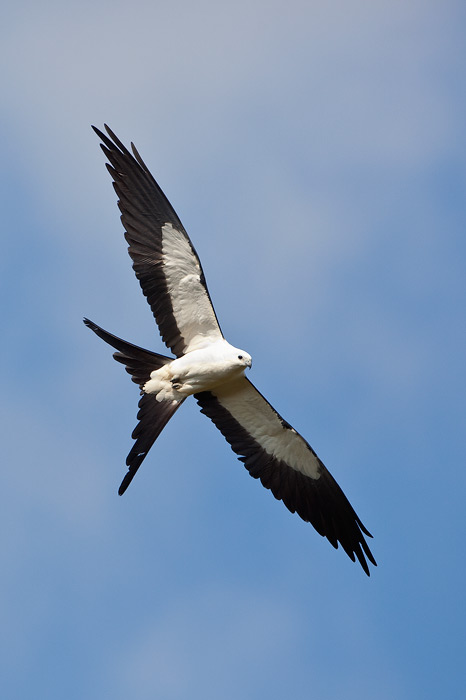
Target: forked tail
153, 415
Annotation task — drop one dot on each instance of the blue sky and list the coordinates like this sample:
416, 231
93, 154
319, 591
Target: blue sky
315, 152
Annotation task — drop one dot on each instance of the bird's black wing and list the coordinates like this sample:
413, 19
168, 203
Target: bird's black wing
275, 453
164, 259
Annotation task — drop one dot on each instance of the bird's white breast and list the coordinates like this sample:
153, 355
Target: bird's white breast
197, 371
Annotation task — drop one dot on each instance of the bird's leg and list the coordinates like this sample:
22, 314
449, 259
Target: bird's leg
176, 384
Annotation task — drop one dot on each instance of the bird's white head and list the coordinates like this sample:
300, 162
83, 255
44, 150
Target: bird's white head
237, 358
244, 358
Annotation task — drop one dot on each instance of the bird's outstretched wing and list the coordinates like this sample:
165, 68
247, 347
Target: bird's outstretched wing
164, 259
275, 453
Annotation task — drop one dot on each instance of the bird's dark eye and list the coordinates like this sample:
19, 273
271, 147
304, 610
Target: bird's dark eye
240, 357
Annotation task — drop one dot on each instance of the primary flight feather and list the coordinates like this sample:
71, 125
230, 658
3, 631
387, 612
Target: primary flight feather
207, 366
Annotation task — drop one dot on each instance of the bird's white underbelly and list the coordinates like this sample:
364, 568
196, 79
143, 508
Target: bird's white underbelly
200, 370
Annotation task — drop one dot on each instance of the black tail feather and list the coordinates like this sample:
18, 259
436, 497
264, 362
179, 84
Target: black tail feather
139, 363
153, 415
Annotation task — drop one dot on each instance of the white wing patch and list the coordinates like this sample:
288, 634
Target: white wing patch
190, 302
260, 420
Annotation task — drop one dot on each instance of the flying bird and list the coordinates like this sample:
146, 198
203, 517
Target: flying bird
207, 366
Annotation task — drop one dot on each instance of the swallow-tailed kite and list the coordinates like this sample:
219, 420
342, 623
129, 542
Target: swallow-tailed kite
207, 366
